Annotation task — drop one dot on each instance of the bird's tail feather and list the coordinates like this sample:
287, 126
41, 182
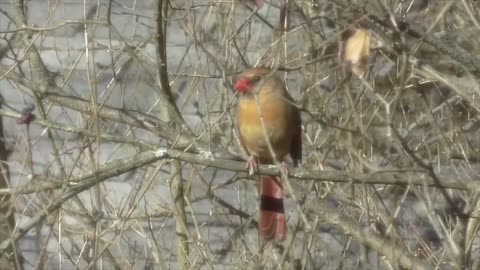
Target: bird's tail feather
272, 224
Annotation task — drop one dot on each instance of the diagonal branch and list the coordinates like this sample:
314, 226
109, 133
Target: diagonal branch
385, 177
393, 252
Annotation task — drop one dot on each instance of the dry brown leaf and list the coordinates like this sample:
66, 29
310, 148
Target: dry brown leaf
258, 3
357, 50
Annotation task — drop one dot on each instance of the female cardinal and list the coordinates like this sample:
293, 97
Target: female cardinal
269, 127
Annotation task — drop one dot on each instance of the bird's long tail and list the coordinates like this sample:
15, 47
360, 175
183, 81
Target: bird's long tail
272, 224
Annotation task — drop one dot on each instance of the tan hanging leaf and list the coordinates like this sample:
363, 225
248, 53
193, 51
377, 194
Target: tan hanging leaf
357, 50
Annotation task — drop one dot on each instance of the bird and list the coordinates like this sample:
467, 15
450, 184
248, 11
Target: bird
268, 123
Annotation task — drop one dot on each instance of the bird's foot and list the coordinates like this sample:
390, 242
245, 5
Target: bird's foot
252, 164
284, 169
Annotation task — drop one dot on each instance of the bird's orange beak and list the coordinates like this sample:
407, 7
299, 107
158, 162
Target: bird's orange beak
243, 85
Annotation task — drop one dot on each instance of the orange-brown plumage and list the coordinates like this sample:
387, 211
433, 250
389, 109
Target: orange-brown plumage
262, 96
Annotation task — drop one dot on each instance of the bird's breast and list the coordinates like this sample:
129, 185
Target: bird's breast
276, 126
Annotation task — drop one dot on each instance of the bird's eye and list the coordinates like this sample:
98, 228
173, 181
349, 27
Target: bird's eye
256, 79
